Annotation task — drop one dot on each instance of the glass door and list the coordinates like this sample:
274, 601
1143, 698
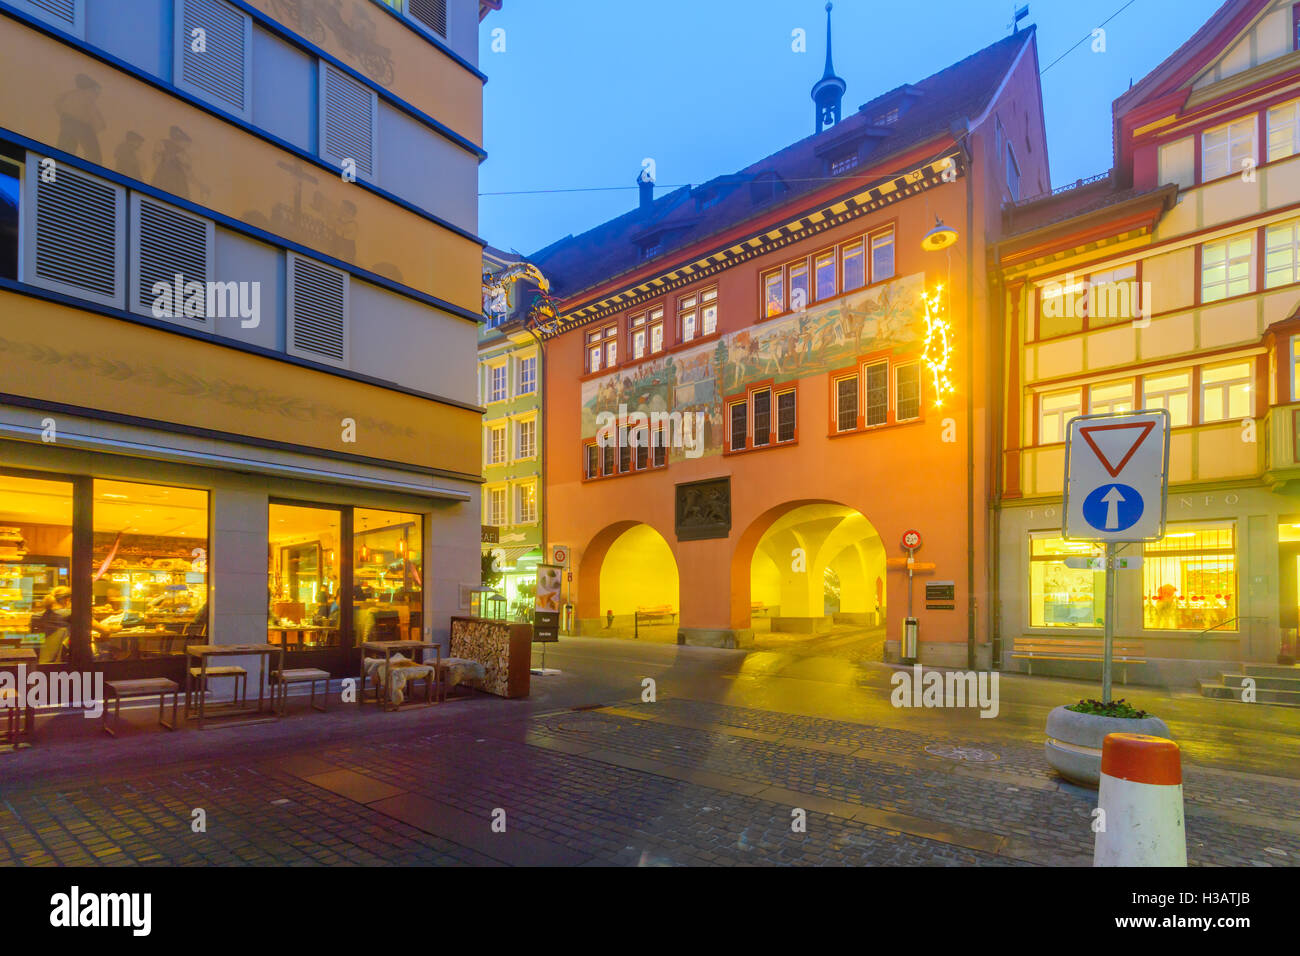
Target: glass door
309, 572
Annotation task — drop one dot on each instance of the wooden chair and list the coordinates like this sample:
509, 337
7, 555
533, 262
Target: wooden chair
115, 690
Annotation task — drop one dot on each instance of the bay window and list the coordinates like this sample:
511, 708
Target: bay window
1284, 130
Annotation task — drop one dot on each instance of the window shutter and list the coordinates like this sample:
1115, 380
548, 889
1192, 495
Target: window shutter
347, 121
167, 242
78, 228
220, 74
69, 15
430, 13
318, 311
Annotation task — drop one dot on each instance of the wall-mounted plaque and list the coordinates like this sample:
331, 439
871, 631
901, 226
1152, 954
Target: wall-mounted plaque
704, 509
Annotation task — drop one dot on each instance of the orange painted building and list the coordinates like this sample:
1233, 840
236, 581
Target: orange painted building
758, 349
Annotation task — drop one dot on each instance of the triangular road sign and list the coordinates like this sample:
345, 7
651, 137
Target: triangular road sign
1115, 444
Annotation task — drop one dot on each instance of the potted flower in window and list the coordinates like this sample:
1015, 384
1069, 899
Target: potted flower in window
1075, 733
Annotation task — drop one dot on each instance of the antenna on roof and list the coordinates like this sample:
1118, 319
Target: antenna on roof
1019, 14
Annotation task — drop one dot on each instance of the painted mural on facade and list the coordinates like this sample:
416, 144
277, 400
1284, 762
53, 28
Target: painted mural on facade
830, 335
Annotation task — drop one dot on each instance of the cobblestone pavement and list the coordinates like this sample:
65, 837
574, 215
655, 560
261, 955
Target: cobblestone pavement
681, 781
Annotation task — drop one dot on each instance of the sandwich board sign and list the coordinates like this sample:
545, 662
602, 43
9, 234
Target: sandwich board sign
1117, 476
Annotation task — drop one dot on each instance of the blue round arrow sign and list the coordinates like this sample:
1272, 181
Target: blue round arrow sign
1113, 507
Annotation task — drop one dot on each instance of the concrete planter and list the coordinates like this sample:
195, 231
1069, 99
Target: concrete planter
1074, 741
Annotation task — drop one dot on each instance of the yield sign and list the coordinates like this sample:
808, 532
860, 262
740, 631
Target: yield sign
1115, 444
1115, 476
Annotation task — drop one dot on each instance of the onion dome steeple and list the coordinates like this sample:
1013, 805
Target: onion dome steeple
829, 90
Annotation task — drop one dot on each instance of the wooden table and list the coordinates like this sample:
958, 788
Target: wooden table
16, 655
162, 638
388, 648
203, 652
300, 630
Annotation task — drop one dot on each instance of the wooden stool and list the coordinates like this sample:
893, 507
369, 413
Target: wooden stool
300, 675
144, 687
238, 673
14, 721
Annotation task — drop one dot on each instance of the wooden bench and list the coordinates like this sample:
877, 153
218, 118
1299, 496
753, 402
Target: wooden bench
649, 615
1085, 649
115, 690
300, 675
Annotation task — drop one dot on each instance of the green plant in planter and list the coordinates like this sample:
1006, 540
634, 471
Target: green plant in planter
1116, 708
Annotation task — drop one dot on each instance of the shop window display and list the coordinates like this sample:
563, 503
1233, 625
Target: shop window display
1061, 596
305, 559
387, 575
1189, 579
35, 555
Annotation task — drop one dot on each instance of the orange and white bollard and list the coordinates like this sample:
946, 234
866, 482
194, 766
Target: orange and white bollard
1141, 803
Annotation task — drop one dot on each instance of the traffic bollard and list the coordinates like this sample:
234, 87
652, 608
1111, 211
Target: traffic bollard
1141, 803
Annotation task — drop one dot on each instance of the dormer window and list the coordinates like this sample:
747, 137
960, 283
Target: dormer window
843, 163
651, 249
887, 118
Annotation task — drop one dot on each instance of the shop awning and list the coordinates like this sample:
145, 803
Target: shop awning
510, 556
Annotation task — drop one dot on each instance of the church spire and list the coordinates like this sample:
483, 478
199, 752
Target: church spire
829, 90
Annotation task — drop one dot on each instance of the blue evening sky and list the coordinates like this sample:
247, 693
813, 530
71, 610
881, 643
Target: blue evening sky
585, 89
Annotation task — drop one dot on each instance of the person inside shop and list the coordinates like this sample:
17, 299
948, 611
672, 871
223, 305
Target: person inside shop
53, 623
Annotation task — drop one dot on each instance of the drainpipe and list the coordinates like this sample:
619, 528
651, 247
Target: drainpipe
970, 395
998, 392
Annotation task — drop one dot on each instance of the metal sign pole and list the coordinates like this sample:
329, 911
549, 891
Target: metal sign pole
1111, 551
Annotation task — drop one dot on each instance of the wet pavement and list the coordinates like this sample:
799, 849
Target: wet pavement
766, 757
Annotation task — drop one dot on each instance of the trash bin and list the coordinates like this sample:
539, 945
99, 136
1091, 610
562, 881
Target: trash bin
908, 650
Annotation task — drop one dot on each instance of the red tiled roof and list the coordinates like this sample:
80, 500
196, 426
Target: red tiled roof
681, 217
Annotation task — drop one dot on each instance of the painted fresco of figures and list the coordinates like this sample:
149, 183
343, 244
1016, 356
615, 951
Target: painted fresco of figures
828, 336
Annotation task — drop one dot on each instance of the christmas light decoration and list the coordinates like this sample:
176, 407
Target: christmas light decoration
937, 352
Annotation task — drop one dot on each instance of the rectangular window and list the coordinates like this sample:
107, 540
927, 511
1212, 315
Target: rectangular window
496, 507
1225, 392
1282, 254
526, 503
774, 293
907, 392
349, 118
387, 578
1284, 131
799, 284
876, 377
843, 164
762, 400
496, 444
317, 306
708, 311
528, 375
1060, 596
624, 452
1176, 162
852, 266
1225, 148
1189, 579
1113, 296
78, 234
304, 569
637, 331
824, 275
660, 449
786, 416
10, 193
496, 383
220, 74
36, 565
1013, 174
1055, 409
607, 459
167, 242
882, 256
602, 348
1172, 391
1228, 267
846, 403
591, 460
656, 322
641, 448
738, 420
1062, 306
526, 439
1110, 399
687, 318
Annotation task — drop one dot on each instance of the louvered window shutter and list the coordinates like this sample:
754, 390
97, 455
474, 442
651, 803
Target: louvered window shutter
75, 228
317, 306
430, 13
348, 112
219, 72
68, 15
167, 242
